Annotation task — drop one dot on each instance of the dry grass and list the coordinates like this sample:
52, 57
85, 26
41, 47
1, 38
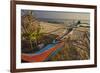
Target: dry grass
76, 47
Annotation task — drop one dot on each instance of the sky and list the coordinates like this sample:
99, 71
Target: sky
61, 17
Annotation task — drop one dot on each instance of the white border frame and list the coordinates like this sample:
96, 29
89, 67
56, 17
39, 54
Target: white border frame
20, 65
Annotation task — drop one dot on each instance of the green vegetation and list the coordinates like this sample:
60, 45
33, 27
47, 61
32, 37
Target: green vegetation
31, 31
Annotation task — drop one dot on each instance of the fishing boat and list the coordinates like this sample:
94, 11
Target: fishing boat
43, 54
48, 51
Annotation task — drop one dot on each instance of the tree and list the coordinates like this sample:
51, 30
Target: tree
30, 28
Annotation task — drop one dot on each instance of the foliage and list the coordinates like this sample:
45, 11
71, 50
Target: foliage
31, 29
